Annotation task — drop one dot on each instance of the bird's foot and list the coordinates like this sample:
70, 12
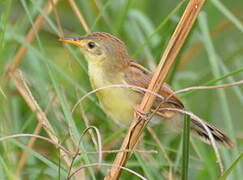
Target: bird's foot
139, 112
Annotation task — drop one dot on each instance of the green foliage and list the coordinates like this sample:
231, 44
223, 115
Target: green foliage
231, 168
145, 27
186, 142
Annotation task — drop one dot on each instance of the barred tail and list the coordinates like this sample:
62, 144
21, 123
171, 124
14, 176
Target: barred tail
199, 131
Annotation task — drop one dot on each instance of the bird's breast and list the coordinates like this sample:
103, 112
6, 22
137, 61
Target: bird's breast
118, 103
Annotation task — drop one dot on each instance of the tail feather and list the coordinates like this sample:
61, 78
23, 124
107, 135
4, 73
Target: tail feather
199, 131
174, 122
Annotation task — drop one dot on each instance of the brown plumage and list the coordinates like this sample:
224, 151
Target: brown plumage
139, 76
109, 63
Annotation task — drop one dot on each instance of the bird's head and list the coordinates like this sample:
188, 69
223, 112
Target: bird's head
102, 48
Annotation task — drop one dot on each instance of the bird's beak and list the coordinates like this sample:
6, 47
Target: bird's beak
73, 41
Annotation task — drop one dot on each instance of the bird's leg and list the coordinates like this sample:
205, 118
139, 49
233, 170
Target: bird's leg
142, 114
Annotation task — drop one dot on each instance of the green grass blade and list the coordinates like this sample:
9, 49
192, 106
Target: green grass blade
67, 114
2, 165
177, 160
140, 24
216, 73
236, 89
32, 23
114, 135
5, 169
144, 166
231, 168
140, 38
186, 143
52, 65
2, 92
57, 89
214, 81
100, 15
40, 157
4, 23
214, 66
218, 4
47, 18
145, 24
123, 16
161, 25
55, 29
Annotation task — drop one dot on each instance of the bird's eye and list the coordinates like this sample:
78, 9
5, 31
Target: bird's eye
91, 44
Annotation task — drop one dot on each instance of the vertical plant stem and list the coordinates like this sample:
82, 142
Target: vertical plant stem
123, 16
4, 23
186, 142
177, 40
222, 96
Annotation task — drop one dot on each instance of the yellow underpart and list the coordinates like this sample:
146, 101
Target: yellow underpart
118, 103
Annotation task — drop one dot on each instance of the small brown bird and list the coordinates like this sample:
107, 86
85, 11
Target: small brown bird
109, 64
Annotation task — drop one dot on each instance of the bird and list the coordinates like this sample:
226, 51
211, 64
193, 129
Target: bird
109, 63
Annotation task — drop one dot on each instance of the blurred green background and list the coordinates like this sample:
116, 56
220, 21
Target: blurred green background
145, 27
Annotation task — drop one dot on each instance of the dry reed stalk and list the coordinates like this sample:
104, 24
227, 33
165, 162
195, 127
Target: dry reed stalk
25, 154
40, 115
183, 28
79, 15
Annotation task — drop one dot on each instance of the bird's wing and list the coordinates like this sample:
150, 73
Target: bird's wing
139, 76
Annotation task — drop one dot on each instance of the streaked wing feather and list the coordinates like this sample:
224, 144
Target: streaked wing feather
139, 76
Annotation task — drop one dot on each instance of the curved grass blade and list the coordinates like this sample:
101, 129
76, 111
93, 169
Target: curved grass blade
231, 168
